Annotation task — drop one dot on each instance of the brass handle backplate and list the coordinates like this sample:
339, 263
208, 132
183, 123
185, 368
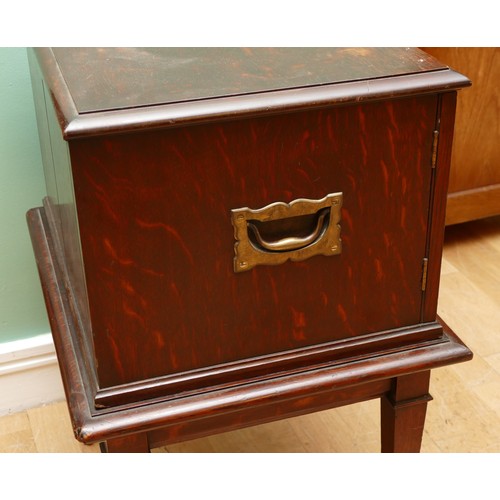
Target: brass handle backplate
286, 231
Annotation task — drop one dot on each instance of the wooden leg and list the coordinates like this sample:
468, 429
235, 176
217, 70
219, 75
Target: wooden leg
135, 443
403, 413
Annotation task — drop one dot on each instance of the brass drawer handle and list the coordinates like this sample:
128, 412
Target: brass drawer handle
286, 231
291, 242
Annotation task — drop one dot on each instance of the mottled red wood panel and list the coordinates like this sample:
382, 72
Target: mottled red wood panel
157, 240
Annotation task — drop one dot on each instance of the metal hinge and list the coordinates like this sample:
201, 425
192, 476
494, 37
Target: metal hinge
434, 148
425, 263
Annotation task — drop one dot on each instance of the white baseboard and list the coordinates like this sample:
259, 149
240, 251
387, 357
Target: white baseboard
29, 374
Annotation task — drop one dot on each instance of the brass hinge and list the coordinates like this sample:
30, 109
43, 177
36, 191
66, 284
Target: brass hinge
434, 148
425, 263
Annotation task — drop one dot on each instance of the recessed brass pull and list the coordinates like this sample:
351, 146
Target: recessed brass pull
291, 242
286, 231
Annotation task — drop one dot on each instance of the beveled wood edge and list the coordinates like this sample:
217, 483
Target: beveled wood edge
258, 368
472, 204
247, 417
89, 427
75, 125
77, 382
56, 252
64, 105
266, 103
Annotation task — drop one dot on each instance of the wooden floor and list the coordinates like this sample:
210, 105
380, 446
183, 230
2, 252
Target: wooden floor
465, 413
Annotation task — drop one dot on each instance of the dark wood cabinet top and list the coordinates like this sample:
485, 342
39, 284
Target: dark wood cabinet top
102, 79
122, 89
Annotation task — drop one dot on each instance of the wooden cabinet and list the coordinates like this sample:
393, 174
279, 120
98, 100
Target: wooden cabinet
235, 236
474, 190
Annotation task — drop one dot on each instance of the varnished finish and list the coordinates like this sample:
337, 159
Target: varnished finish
403, 412
475, 177
95, 425
462, 418
197, 428
135, 443
116, 77
161, 340
145, 243
440, 175
427, 76
258, 368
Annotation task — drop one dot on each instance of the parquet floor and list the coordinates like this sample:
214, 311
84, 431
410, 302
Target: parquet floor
465, 413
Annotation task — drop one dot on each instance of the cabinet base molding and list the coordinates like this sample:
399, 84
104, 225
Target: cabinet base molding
160, 422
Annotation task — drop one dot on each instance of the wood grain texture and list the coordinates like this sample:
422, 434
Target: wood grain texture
54, 430
474, 280
403, 412
244, 405
115, 77
445, 119
157, 245
462, 418
77, 374
157, 239
136, 443
475, 176
16, 435
358, 78
240, 419
259, 368
350, 380
471, 204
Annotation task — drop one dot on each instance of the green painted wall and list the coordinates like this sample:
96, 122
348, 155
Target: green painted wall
22, 186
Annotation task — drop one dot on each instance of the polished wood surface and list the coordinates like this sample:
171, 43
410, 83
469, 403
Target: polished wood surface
160, 339
157, 240
287, 393
440, 175
463, 416
403, 411
475, 174
127, 77
412, 73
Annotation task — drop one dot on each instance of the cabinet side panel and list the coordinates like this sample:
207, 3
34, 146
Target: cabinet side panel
69, 237
60, 201
38, 87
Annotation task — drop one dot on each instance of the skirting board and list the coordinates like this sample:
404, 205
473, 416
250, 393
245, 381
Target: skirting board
29, 374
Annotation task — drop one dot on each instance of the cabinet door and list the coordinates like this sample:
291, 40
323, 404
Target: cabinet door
154, 213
